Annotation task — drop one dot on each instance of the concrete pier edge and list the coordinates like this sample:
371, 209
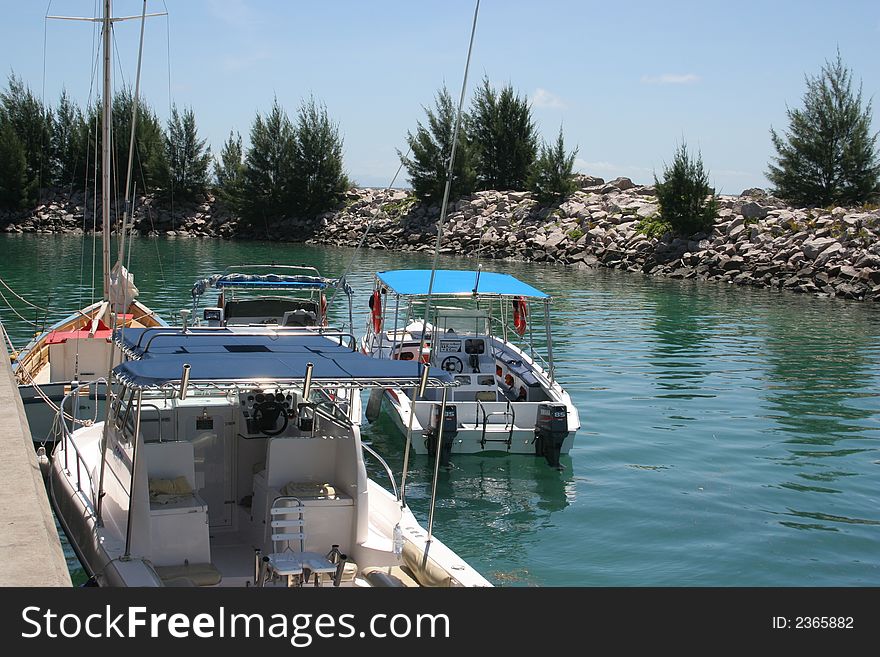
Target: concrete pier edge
30, 549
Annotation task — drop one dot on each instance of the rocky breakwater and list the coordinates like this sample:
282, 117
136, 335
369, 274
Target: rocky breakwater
756, 239
68, 212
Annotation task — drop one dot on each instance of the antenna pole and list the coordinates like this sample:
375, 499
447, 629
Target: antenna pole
106, 119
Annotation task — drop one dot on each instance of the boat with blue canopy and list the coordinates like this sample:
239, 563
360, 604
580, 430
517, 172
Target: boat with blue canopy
289, 296
229, 458
475, 325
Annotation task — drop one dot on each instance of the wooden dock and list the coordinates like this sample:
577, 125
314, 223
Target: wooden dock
30, 550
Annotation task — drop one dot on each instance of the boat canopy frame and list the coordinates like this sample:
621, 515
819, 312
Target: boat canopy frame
411, 286
234, 360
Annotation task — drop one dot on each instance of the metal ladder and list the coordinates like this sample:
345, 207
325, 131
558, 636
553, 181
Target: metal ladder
510, 420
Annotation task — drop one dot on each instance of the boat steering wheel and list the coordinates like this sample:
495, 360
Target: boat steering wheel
266, 416
452, 364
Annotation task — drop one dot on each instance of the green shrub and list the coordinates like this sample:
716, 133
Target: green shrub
653, 226
552, 177
686, 200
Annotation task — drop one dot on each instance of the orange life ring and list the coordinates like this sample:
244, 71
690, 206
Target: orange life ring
520, 315
376, 311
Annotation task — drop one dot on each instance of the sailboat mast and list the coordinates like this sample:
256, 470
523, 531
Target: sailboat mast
106, 118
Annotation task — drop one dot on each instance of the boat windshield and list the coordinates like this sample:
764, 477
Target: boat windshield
457, 320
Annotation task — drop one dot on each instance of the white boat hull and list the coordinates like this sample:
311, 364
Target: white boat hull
469, 439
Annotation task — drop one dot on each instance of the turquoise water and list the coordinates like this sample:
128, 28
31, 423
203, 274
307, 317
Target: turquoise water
729, 436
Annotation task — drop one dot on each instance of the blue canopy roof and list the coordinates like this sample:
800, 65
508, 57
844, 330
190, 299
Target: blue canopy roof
414, 282
271, 281
229, 358
163, 341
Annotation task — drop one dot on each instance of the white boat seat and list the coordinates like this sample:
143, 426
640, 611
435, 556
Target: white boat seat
297, 565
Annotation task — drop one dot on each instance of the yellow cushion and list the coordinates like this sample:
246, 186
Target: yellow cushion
176, 486
193, 574
297, 489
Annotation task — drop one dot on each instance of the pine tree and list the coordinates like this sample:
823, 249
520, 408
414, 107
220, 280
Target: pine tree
503, 136
13, 168
318, 178
32, 124
552, 176
828, 155
430, 149
149, 165
187, 156
265, 190
686, 200
229, 170
69, 143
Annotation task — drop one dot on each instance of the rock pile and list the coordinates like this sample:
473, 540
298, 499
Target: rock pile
756, 239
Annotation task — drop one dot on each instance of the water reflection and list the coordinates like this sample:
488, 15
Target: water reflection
682, 327
729, 435
822, 398
490, 507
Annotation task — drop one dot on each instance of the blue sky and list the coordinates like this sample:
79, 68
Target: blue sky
626, 81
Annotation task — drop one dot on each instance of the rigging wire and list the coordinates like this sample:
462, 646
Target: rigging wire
128, 212
440, 221
170, 106
16, 313
95, 162
21, 298
131, 144
45, 116
82, 259
364, 237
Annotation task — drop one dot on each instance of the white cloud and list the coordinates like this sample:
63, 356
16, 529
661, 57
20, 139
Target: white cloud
543, 98
236, 63
671, 78
233, 12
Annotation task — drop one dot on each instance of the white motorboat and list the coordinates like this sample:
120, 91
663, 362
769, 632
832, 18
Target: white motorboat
226, 460
479, 331
284, 296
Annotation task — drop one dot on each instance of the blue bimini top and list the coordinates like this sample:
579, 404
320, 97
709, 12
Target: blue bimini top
229, 358
451, 282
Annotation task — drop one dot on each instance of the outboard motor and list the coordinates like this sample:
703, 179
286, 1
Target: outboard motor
450, 431
551, 429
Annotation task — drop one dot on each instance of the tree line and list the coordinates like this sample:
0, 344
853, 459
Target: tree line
497, 149
294, 167
290, 168
45, 147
